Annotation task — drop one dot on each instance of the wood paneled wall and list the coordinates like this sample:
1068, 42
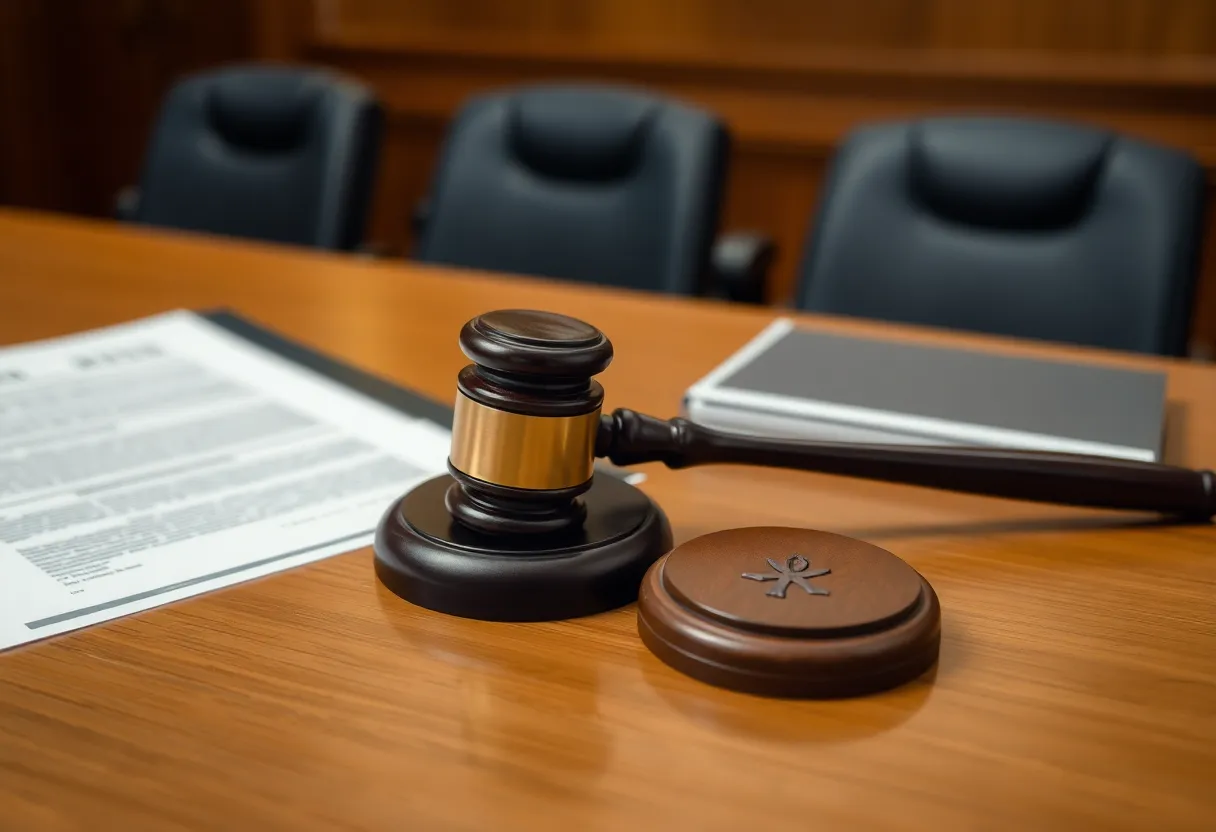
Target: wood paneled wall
721, 29
789, 76
81, 82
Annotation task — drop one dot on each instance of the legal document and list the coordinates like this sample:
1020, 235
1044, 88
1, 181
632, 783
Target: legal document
152, 461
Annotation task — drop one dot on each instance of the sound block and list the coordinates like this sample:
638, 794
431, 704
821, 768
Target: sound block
790, 613
428, 559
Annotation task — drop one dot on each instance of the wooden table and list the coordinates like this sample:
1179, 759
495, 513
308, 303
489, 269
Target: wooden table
1076, 687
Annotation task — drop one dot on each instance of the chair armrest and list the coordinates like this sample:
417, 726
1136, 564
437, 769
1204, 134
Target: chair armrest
420, 217
373, 251
126, 204
739, 263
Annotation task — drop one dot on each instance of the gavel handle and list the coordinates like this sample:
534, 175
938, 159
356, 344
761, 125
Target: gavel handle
628, 438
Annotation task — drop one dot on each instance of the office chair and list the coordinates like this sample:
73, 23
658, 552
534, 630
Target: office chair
596, 184
271, 153
1008, 226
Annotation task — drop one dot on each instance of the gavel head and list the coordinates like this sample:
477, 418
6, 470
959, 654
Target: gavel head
526, 419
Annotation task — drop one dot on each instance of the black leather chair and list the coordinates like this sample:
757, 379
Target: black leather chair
589, 183
279, 154
1015, 227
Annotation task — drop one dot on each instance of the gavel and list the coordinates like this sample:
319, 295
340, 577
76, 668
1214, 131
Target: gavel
522, 528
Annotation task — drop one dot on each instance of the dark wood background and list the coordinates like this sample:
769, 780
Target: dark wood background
80, 81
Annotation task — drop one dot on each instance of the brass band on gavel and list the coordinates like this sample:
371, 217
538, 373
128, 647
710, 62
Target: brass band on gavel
511, 449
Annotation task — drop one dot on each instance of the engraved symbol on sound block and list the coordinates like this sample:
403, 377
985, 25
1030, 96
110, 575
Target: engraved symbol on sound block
794, 572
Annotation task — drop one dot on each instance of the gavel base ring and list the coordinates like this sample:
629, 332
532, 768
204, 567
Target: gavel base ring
428, 559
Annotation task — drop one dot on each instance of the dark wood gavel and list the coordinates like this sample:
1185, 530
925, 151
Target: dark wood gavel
521, 528
528, 427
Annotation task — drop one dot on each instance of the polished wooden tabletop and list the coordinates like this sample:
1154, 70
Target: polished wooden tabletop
1076, 686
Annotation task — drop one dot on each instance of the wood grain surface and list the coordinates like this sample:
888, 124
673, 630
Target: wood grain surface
1076, 686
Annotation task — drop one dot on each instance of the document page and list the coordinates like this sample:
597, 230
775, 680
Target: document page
156, 460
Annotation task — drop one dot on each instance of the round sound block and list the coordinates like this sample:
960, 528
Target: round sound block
427, 558
789, 612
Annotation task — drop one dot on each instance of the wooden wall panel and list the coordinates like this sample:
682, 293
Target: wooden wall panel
787, 28
32, 133
1203, 328
411, 147
775, 191
82, 82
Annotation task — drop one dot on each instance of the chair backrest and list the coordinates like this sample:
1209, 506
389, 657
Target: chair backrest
1015, 227
273, 153
589, 183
